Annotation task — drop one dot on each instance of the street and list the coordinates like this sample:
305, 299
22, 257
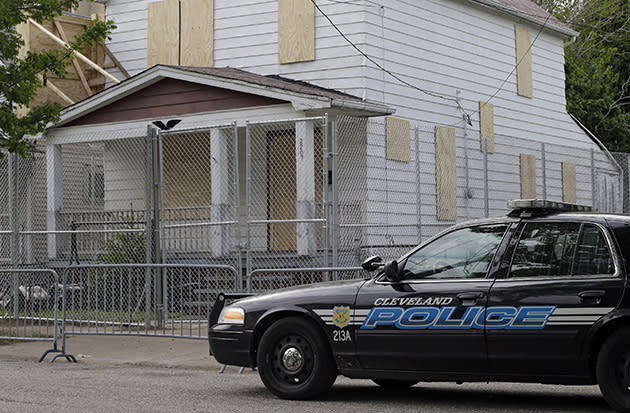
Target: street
28, 386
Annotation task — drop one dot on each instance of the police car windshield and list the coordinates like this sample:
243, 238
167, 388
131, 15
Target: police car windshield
463, 253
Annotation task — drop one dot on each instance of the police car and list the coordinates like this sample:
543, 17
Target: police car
537, 296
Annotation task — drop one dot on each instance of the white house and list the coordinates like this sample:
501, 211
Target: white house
445, 69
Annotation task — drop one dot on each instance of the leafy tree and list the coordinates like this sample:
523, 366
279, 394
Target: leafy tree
597, 66
19, 78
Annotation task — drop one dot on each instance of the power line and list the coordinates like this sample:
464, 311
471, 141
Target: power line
374, 62
521, 59
467, 116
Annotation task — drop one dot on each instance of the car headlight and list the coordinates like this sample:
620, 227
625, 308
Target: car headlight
232, 315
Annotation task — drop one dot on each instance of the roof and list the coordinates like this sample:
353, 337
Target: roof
529, 11
302, 95
273, 81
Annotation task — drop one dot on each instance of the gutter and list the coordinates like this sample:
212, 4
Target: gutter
375, 108
598, 143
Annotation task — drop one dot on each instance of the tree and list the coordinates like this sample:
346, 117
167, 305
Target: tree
20, 76
597, 66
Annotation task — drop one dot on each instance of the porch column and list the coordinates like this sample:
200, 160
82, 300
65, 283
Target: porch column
54, 175
221, 242
306, 232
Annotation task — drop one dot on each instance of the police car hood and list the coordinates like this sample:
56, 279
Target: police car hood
323, 292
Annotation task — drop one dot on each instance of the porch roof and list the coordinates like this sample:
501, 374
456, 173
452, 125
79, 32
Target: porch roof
301, 95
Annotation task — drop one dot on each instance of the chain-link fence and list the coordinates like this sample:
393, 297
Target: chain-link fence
149, 299
300, 193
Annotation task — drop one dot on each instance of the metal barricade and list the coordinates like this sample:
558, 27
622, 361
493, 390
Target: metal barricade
266, 279
165, 300
29, 307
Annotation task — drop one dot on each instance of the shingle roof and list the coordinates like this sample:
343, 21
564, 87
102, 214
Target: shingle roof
530, 9
273, 81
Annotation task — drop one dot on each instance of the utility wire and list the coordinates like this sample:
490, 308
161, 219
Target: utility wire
375, 63
466, 116
521, 59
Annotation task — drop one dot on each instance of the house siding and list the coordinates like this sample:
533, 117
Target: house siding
254, 47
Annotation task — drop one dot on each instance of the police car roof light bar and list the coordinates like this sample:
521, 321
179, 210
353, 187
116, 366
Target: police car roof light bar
520, 206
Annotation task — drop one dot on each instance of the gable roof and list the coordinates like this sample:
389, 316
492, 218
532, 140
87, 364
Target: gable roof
529, 11
302, 95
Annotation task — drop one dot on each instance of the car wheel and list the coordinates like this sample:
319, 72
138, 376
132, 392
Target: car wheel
295, 360
394, 384
613, 370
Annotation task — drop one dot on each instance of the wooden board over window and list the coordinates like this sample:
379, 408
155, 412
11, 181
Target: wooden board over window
397, 140
568, 182
524, 61
197, 31
163, 33
486, 125
296, 31
445, 173
528, 176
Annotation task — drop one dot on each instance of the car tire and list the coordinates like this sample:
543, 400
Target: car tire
395, 384
295, 359
613, 370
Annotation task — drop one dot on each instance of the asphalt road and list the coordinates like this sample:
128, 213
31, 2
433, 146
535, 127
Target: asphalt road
28, 386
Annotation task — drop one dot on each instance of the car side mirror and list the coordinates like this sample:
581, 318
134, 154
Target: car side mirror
373, 263
392, 272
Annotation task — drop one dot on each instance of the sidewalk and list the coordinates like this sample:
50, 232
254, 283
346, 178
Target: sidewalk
121, 350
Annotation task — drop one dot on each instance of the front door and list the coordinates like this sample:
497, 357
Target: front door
562, 279
432, 320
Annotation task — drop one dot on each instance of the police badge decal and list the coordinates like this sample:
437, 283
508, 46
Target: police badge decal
341, 316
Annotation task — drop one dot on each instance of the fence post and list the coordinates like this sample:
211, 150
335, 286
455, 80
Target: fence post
13, 225
485, 179
148, 229
325, 206
544, 169
237, 206
334, 210
248, 201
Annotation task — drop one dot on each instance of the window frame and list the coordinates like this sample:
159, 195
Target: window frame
382, 280
617, 273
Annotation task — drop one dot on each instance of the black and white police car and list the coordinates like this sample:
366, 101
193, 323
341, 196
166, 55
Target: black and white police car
537, 296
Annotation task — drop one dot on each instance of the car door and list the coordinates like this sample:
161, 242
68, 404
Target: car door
429, 321
563, 277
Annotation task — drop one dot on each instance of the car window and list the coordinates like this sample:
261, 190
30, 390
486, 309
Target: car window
463, 253
549, 249
545, 249
593, 255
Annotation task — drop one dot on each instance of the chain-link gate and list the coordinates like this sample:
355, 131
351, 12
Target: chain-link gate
287, 194
199, 199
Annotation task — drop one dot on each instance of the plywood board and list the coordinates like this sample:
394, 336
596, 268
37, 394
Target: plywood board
296, 31
524, 61
486, 126
528, 176
568, 182
281, 192
398, 140
163, 33
197, 33
445, 173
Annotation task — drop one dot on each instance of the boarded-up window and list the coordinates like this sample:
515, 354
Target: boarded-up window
397, 139
296, 31
568, 182
524, 61
486, 126
163, 33
445, 173
181, 33
197, 31
528, 176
